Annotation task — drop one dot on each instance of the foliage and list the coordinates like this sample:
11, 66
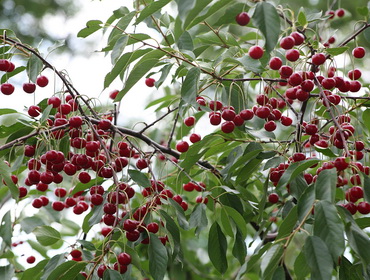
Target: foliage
275, 185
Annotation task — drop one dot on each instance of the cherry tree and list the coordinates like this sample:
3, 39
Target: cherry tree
256, 166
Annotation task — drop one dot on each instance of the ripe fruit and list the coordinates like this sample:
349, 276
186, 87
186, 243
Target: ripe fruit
31, 259
84, 177
153, 227
58, 205
76, 253
194, 137
354, 74
341, 163
298, 38
124, 259
29, 87
42, 81
242, 18
358, 52
4, 65
142, 163
149, 82
273, 198
318, 58
228, 114
113, 94
270, 126
287, 42
227, 127
182, 146
255, 52
189, 121
54, 101
275, 63
340, 12
101, 270
246, 114
34, 111
292, 55
7, 89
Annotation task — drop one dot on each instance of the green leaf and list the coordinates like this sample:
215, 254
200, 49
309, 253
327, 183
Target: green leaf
267, 20
42, 250
271, 260
288, 223
329, 228
6, 229
302, 20
180, 215
336, 51
151, 9
238, 219
189, 88
318, 258
6, 272
47, 235
217, 247
34, 272
185, 42
198, 217
92, 218
366, 118
305, 202
91, 27
110, 274
122, 64
297, 186
239, 248
118, 48
325, 151
174, 232
359, 241
34, 67
214, 8
200, 5
158, 258
301, 268
54, 262
294, 170
147, 62
6, 176
67, 270
325, 185
28, 224
140, 178
363, 11
46, 113
8, 75
366, 188
120, 27
225, 223
347, 270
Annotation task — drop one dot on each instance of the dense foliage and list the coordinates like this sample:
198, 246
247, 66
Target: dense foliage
256, 166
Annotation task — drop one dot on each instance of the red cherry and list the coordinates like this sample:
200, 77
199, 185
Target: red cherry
31, 259
228, 114
182, 146
149, 82
340, 12
133, 235
153, 227
113, 94
358, 52
341, 163
273, 198
55, 101
124, 259
194, 137
34, 111
215, 105
227, 127
311, 129
302, 95
84, 177
215, 118
246, 114
275, 63
58, 205
29, 87
263, 112
295, 79
307, 85
42, 81
37, 203
285, 71
363, 207
299, 157
189, 121
328, 83
101, 269
255, 52
4, 65
318, 58
354, 74
242, 18
292, 55
287, 42
351, 207
104, 124
7, 89
142, 163
270, 126
298, 38
76, 253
